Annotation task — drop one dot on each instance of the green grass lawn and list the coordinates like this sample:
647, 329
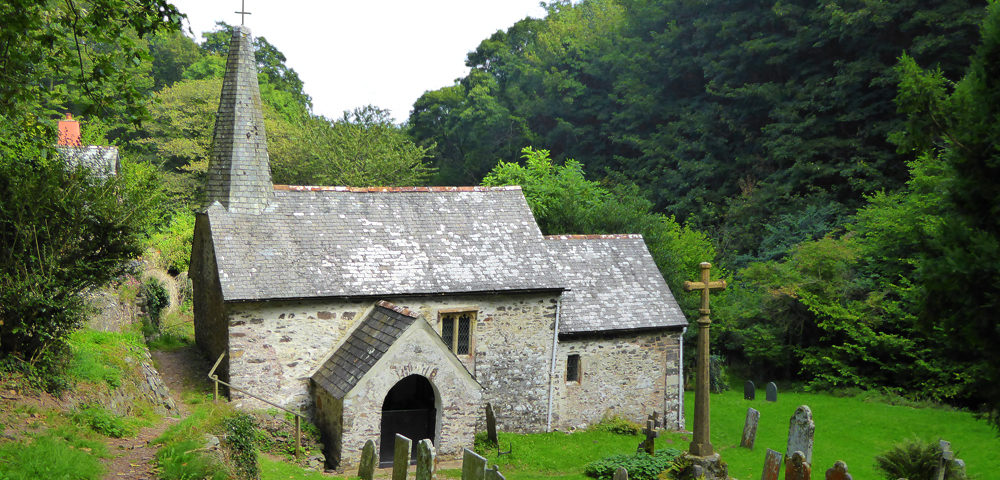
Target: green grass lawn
847, 429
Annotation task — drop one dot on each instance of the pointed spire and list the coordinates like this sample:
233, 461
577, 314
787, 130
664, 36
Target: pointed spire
239, 175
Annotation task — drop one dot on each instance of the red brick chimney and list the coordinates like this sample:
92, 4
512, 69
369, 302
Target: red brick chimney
69, 132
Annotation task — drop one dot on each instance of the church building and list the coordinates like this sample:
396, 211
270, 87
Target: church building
407, 309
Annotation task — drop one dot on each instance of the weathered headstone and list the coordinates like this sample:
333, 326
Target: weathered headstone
621, 474
797, 467
749, 390
425, 460
771, 392
838, 472
401, 457
491, 425
750, 429
648, 445
494, 473
800, 433
473, 466
366, 470
946, 457
772, 465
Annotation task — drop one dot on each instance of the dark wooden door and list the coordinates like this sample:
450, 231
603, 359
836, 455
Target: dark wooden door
415, 424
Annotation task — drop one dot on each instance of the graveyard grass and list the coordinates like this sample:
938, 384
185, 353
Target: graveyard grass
849, 429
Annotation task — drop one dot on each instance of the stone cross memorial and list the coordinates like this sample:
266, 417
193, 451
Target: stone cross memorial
750, 429
772, 465
800, 433
491, 425
797, 468
426, 463
749, 390
838, 472
401, 457
772, 392
473, 466
366, 469
648, 445
701, 445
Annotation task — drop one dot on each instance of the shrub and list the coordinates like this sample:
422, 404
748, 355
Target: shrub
717, 374
619, 425
241, 430
157, 299
914, 460
174, 243
641, 466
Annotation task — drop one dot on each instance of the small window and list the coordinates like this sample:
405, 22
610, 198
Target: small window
456, 331
573, 368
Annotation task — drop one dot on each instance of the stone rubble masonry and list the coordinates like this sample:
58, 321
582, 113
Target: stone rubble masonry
630, 374
239, 175
276, 347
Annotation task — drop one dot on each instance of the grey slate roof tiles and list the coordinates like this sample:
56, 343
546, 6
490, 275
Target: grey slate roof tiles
337, 242
613, 285
363, 348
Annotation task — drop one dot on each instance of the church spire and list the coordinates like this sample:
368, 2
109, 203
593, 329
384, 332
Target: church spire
239, 175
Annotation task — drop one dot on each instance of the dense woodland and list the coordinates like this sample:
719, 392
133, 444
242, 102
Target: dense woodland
835, 160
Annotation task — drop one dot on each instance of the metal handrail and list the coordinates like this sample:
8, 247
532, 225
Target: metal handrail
215, 396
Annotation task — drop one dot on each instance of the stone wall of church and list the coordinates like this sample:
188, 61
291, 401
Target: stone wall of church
512, 352
328, 416
626, 374
211, 331
277, 346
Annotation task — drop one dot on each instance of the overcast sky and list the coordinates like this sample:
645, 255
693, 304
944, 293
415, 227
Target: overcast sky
381, 52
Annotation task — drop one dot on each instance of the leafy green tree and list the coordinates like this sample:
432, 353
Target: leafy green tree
172, 53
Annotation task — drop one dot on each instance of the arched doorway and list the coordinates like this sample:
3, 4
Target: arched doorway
408, 410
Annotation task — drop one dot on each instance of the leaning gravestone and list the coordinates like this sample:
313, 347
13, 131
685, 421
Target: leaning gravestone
401, 457
491, 425
945, 462
473, 466
366, 470
621, 474
771, 392
800, 433
425, 459
838, 472
648, 445
749, 390
750, 429
494, 473
772, 465
797, 468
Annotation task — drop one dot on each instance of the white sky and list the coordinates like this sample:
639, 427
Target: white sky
381, 52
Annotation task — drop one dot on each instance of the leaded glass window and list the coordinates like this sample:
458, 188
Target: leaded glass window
573, 368
456, 331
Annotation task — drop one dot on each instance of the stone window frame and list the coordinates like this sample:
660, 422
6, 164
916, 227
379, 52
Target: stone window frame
578, 365
456, 313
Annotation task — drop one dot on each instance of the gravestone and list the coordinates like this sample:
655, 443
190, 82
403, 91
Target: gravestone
621, 474
401, 457
838, 472
494, 473
946, 457
491, 425
425, 460
749, 390
772, 465
800, 433
750, 429
797, 467
648, 445
771, 393
655, 418
366, 470
473, 466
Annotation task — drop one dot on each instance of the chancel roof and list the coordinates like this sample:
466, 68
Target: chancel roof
613, 285
335, 241
363, 348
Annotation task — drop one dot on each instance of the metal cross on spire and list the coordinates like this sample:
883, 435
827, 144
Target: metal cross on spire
243, 11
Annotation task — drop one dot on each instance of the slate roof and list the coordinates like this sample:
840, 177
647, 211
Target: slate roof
613, 285
363, 348
338, 241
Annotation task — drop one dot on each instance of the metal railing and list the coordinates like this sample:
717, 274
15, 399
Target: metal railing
215, 397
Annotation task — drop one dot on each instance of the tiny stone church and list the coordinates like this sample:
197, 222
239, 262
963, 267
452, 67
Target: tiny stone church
408, 309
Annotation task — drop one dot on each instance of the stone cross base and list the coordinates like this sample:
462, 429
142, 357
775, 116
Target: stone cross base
710, 468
